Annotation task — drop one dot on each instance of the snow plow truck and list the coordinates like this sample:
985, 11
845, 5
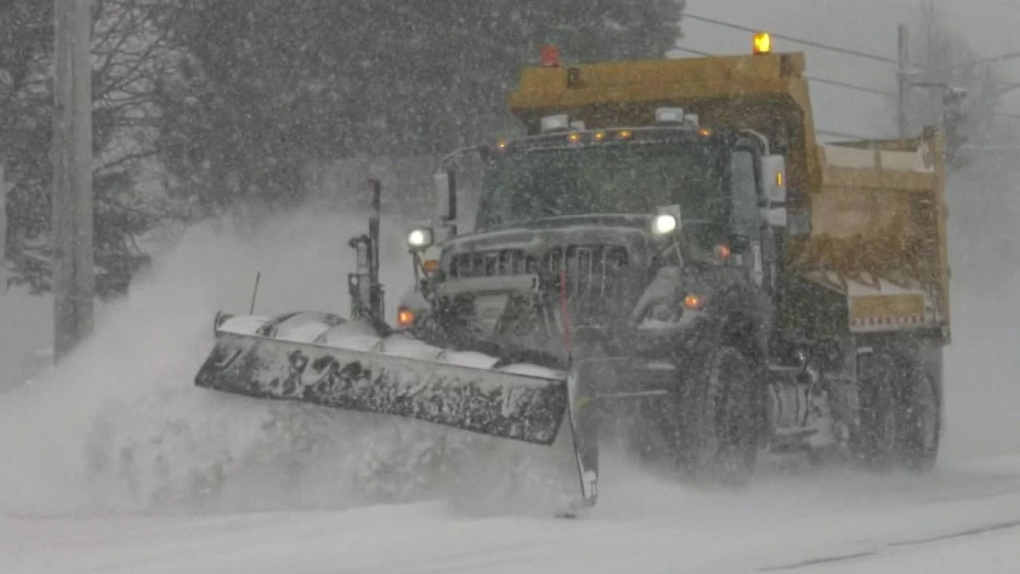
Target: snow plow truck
668, 255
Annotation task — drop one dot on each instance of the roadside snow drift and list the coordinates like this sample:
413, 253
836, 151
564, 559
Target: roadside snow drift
121, 424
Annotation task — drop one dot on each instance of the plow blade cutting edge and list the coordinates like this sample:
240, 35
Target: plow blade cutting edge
324, 360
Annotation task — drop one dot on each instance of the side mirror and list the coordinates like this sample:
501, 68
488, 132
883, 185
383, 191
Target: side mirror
446, 198
773, 172
773, 177
745, 219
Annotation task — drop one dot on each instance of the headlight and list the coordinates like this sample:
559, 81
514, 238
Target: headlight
419, 238
664, 223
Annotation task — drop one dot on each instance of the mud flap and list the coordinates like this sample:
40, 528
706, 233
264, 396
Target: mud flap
406, 378
584, 430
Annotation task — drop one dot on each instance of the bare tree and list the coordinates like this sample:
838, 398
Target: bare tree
270, 86
951, 90
128, 55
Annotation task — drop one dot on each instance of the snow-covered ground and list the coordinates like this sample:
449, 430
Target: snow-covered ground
116, 463
962, 519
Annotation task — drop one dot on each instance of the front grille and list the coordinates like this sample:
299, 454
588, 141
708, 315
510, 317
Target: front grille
493, 264
595, 276
595, 282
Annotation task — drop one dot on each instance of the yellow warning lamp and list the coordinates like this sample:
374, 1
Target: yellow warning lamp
693, 302
405, 317
762, 43
430, 266
722, 251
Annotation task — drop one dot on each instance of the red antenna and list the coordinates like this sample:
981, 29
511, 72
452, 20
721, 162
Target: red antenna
550, 57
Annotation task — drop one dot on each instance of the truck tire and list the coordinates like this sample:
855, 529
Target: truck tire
718, 442
918, 417
875, 441
899, 416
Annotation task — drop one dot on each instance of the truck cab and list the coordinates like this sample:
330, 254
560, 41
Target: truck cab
628, 234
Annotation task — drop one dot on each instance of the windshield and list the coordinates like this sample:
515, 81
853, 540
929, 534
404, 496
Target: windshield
632, 178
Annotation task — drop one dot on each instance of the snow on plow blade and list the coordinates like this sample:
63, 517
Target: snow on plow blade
324, 360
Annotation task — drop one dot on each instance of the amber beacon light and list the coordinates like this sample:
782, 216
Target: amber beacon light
405, 317
762, 43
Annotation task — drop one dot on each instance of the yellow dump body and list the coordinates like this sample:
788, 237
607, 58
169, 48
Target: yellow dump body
878, 233
876, 208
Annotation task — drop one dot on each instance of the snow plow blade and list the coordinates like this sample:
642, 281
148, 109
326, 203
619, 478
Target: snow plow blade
324, 360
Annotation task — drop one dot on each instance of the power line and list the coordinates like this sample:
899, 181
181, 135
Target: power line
1004, 90
827, 81
1009, 7
992, 60
811, 43
841, 135
836, 83
852, 86
990, 147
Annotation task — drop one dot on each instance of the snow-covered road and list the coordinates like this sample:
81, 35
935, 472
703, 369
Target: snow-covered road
962, 519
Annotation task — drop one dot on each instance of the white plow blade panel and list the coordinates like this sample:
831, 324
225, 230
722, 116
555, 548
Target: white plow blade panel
319, 359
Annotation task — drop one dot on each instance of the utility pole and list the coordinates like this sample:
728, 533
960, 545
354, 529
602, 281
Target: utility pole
904, 79
73, 281
3, 219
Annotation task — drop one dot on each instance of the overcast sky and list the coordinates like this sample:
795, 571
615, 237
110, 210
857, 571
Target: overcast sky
991, 26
